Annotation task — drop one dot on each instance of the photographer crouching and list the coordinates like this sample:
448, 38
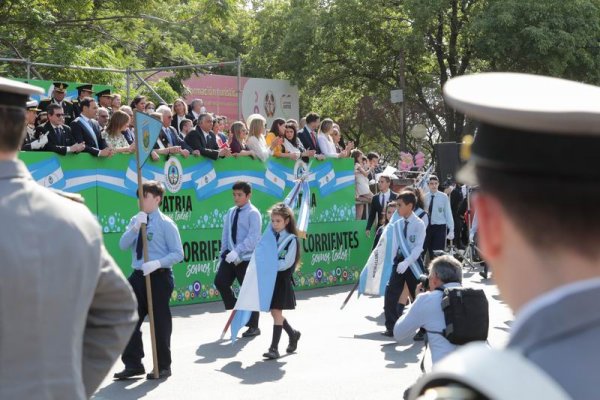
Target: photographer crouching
426, 311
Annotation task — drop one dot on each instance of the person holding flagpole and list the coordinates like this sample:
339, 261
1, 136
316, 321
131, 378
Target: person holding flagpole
288, 256
407, 246
241, 233
164, 251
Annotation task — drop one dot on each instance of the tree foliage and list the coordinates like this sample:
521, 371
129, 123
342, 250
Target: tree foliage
344, 55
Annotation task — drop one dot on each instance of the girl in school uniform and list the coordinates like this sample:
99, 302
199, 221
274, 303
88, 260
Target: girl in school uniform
284, 227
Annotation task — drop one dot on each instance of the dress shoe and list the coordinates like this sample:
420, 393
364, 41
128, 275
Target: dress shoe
251, 332
293, 342
420, 336
163, 373
388, 333
483, 274
272, 354
129, 373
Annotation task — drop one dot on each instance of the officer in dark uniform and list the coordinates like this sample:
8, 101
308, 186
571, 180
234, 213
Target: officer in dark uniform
58, 97
105, 99
83, 91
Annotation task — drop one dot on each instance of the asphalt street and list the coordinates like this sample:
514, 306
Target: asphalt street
341, 354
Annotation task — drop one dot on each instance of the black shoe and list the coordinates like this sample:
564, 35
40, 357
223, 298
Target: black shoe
129, 373
420, 336
483, 274
293, 342
388, 333
163, 373
272, 354
251, 332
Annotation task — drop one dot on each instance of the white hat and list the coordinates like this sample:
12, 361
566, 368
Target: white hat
528, 124
15, 93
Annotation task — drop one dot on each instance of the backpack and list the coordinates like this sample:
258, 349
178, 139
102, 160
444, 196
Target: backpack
466, 314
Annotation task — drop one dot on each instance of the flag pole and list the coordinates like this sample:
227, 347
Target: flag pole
228, 323
350, 294
145, 250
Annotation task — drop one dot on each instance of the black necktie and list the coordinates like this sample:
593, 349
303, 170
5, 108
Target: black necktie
431, 208
60, 135
277, 236
139, 247
234, 225
405, 231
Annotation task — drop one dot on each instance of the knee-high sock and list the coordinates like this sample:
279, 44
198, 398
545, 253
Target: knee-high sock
288, 328
276, 336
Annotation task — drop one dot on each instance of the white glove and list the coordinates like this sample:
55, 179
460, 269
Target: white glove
232, 256
40, 143
471, 237
150, 266
402, 267
140, 218
450, 235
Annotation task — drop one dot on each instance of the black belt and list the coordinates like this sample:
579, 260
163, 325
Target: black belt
158, 271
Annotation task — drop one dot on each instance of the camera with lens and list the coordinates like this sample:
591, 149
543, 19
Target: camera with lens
424, 279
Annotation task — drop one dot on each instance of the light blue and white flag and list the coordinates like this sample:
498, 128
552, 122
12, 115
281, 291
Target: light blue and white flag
257, 290
376, 272
147, 130
422, 184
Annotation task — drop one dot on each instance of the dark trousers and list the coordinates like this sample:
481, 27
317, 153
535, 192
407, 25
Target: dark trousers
435, 239
393, 290
226, 274
162, 287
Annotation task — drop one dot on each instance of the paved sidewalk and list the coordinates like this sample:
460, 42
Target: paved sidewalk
341, 354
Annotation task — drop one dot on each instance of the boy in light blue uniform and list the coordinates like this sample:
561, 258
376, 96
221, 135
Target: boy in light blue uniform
164, 250
241, 233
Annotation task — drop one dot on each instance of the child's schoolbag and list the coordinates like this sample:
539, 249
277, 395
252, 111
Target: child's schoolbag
466, 313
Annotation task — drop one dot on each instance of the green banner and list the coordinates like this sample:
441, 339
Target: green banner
198, 196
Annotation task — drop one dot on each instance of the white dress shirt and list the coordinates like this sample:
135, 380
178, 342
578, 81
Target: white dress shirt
415, 238
441, 214
259, 147
426, 312
326, 145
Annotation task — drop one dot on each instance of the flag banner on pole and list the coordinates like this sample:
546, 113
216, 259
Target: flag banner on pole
422, 184
257, 290
376, 273
147, 130
304, 213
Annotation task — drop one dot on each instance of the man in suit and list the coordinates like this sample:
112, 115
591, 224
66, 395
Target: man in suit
60, 138
203, 141
379, 201
60, 340
83, 91
58, 98
308, 134
169, 135
538, 227
196, 109
86, 129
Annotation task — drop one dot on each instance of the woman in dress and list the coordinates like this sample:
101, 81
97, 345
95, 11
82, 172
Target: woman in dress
256, 140
238, 141
115, 133
179, 114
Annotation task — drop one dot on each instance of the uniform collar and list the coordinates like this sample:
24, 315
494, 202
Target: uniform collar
13, 169
245, 206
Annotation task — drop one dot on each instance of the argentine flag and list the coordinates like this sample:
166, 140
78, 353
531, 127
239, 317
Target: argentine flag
376, 273
257, 290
